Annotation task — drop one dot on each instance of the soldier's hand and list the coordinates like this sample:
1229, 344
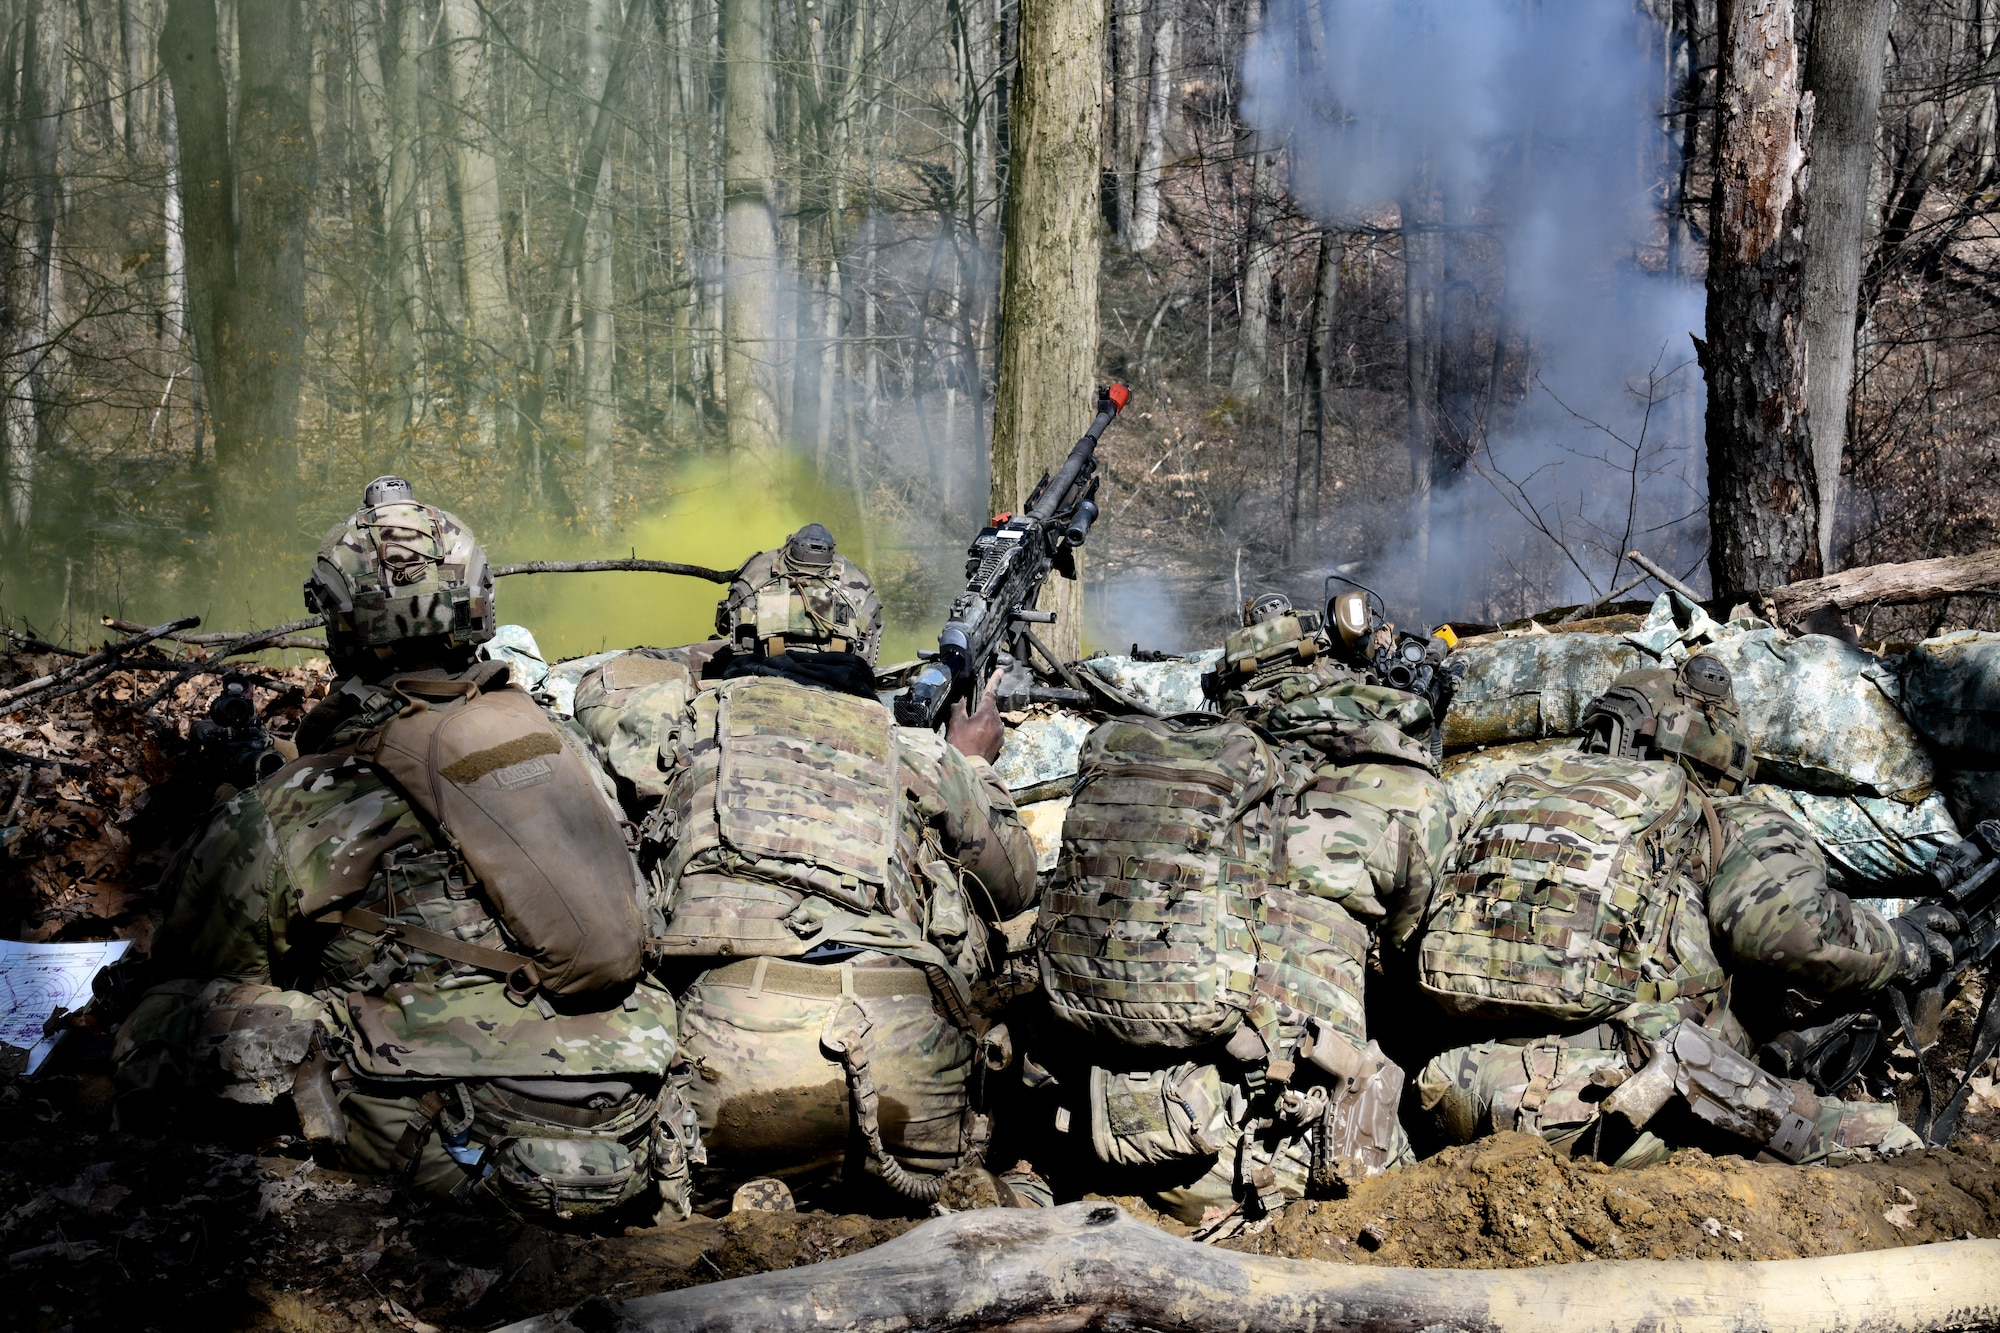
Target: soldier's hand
1925, 935
979, 732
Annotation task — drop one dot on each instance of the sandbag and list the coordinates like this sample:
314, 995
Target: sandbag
1951, 695
1534, 686
1824, 715
1869, 841
1167, 686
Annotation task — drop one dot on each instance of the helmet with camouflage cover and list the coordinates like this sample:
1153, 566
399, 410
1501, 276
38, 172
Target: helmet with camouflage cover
1274, 637
803, 595
398, 577
1686, 716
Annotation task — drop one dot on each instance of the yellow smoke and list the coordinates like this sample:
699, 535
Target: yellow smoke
707, 518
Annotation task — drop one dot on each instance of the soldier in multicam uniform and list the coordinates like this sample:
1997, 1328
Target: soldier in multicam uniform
1590, 919
426, 929
822, 880
1331, 819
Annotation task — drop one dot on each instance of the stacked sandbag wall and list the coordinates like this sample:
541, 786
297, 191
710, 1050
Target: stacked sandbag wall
1839, 733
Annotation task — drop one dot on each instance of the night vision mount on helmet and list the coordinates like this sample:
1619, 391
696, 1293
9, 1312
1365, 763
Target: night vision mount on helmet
1362, 633
398, 574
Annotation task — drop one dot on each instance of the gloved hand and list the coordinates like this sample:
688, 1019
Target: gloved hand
1925, 933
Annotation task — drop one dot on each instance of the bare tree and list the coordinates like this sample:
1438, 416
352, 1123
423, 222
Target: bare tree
751, 277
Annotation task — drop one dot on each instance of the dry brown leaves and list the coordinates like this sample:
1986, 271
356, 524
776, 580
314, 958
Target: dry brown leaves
85, 833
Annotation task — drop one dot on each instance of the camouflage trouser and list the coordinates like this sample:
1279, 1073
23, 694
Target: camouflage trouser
1264, 1165
1371, 837
507, 1140
1773, 915
773, 1095
1558, 1088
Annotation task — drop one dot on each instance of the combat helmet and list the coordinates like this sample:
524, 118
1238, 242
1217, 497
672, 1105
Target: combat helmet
400, 577
1275, 640
802, 596
1686, 716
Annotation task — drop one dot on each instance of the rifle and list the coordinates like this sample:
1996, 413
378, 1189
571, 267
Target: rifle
1005, 568
1968, 886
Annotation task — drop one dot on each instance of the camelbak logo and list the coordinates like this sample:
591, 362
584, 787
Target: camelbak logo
521, 753
524, 775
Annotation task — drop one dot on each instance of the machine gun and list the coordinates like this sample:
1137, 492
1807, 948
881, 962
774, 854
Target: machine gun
1005, 568
1967, 876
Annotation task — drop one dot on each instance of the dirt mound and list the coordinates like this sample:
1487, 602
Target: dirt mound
1511, 1201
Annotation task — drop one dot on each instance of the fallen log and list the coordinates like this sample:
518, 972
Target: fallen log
1089, 1265
1885, 585
613, 567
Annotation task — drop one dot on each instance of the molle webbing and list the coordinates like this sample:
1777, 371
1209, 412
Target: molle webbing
808, 982
1151, 931
1560, 900
809, 778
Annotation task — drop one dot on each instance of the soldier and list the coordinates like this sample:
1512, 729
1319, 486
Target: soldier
1318, 793
822, 879
1589, 920
426, 929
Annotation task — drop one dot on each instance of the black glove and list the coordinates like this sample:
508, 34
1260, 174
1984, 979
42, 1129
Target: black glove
1925, 933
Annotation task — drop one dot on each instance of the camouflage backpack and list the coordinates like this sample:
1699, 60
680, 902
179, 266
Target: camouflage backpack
1559, 903
1148, 933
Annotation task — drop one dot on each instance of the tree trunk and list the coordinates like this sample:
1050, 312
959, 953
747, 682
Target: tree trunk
190, 52
600, 406
1128, 92
489, 322
404, 261
1088, 1265
275, 177
1762, 508
1420, 367
1460, 374
1048, 342
1305, 501
1251, 365
1162, 88
750, 239
1886, 585
31, 357
1844, 75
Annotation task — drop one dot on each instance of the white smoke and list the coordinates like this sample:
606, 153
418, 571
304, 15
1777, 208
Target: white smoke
1545, 117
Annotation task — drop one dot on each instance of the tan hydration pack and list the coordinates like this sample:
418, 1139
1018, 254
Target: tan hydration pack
487, 768
1559, 903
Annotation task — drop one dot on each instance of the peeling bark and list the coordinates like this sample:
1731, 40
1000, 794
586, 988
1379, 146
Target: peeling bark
1763, 507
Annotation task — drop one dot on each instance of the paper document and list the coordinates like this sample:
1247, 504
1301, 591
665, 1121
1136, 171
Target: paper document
36, 980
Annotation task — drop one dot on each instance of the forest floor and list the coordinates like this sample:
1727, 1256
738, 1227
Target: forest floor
222, 1221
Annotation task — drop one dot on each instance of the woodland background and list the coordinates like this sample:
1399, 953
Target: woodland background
1404, 290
